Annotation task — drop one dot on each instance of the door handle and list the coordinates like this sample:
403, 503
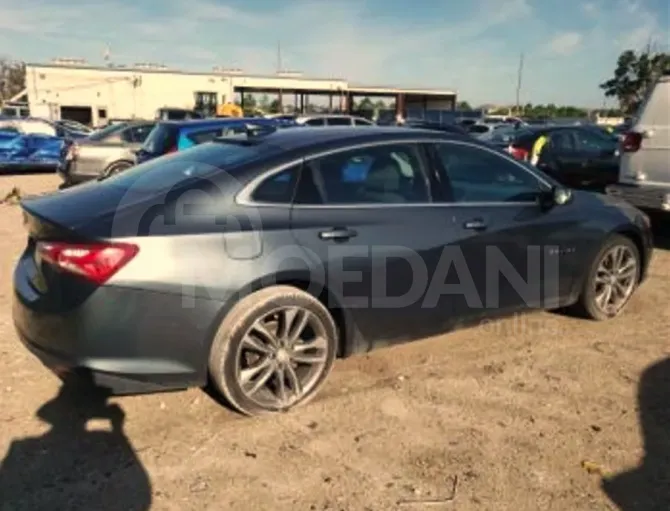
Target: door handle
475, 225
338, 234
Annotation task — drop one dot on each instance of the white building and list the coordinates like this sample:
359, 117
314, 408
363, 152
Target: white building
72, 89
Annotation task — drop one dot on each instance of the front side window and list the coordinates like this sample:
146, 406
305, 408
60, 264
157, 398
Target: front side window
362, 122
318, 121
589, 141
475, 174
386, 174
562, 141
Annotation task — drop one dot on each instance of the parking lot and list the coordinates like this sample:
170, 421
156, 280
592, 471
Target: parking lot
527, 413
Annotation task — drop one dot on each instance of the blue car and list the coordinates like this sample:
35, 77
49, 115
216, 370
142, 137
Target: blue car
30, 152
172, 136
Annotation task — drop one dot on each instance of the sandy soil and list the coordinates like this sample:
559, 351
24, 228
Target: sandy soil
524, 414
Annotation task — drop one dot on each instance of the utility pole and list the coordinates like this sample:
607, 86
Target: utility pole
518, 85
279, 66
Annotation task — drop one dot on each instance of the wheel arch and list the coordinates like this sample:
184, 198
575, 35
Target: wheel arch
304, 282
633, 235
116, 162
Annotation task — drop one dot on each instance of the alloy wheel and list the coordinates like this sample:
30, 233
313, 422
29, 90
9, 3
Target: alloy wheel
615, 279
281, 357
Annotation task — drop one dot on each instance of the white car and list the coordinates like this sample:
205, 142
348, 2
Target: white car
29, 126
332, 120
644, 169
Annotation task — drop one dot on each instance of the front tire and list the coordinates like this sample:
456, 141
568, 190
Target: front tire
273, 351
613, 277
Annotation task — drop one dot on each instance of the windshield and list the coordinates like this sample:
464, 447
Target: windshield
163, 173
161, 139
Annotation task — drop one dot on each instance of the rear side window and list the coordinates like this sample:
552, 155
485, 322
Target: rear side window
339, 121
278, 188
319, 121
201, 161
137, 134
387, 174
562, 140
478, 128
106, 131
362, 122
161, 139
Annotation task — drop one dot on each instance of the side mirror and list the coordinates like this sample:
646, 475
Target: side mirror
557, 196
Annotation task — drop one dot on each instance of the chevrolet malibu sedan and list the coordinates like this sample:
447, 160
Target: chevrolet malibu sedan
254, 261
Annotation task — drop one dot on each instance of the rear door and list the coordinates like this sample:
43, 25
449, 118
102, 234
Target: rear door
368, 223
560, 159
599, 157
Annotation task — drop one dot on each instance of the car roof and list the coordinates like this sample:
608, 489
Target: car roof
300, 138
187, 123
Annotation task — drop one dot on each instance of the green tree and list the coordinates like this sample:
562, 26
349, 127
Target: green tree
633, 77
365, 104
274, 107
463, 106
12, 78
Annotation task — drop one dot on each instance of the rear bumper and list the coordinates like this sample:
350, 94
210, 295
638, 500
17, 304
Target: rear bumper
72, 174
129, 341
644, 197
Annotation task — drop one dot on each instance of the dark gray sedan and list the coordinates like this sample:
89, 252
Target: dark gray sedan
254, 261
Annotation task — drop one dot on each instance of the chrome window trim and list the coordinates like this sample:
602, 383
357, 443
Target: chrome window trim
243, 197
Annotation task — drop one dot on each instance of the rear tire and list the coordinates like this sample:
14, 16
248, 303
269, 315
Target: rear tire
612, 279
273, 351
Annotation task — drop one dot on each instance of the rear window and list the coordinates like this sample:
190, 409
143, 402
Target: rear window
478, 128
161, 139
201, 161
106, 131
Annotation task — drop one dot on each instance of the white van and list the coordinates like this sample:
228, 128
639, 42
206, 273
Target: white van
644, 170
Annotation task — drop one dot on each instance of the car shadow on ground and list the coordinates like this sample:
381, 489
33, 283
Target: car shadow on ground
70, 467
647, 487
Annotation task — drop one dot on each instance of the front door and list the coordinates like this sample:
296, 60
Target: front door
522, 256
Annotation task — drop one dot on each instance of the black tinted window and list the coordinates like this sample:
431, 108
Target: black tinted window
319, 121
562, 140
161, 139
137, 134
278, 188
588, 140
388, 174
474, 174
362, 122
339, 121
478, 128
107, 131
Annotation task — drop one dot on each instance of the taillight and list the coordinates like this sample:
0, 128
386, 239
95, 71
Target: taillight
95, 262
518, 153
173, 149
632, 141
73, 151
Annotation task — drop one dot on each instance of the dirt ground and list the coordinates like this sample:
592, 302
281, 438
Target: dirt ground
528, 413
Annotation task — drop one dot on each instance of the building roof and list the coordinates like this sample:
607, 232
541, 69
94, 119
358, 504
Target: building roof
274, 82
